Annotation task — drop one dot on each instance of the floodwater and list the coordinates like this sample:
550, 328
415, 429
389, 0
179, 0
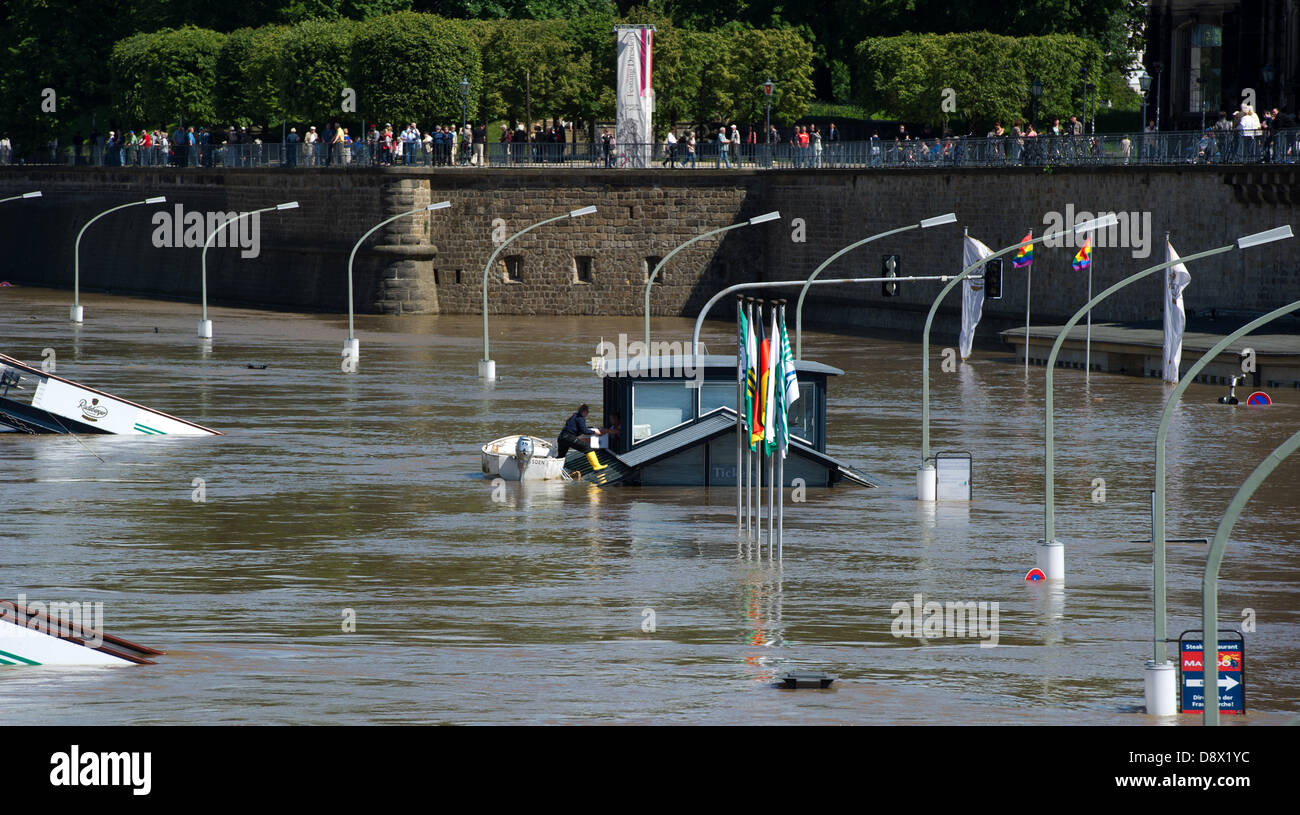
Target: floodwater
338, 495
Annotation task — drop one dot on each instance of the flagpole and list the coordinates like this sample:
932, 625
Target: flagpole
749, 421
783, 443
740, 403
1029, 286
755, 464
769, 431
1087, 347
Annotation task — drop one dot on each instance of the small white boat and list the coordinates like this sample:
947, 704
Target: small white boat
495, 453
537, 468
29, 636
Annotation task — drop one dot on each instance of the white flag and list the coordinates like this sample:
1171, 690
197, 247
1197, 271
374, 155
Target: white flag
972, 294
1176, 279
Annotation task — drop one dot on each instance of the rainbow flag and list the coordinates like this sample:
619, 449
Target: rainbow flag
1084, 259
1025, 254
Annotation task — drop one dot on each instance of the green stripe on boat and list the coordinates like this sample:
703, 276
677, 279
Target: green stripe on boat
146, 429
7, 655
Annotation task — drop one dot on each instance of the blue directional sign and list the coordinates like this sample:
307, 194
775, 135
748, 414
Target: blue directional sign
1232, 674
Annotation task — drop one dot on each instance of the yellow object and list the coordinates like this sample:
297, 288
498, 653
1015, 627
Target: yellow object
595, 462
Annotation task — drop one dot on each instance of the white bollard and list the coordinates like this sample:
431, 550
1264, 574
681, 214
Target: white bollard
926, 483
1051, 559
1161, 688
75, 313
205, 329
487, 370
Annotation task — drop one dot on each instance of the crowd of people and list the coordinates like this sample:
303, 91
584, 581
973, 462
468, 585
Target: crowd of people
1243, 136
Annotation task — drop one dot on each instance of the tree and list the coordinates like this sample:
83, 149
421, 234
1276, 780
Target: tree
248, 87
156, 77
408, 67
313, 70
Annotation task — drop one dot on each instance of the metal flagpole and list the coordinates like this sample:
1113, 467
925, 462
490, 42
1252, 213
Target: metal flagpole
749, 454
782, 444
1029, 281
1087, 346
771, 500
740, 405
772, 343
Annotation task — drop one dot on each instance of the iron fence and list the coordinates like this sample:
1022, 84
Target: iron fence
1143, 149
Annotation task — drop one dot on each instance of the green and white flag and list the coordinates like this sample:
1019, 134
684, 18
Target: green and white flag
789, 389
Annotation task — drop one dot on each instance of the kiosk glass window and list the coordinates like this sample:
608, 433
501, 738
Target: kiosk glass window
660, 406
714, 395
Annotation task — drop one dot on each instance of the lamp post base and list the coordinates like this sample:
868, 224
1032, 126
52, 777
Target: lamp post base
205, 329
926, 483
1051, 559
1161, 688
487, 370
351, 352
75, 313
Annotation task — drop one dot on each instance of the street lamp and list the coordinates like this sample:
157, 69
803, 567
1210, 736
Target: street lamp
1036, 91
1201, 81
1160, 692
464, 102
1144, 82
352, 347
1210, 581
925, 476
650, 279
36, 194
75, 313
205, 325
487, 368
1052, 552
938, 220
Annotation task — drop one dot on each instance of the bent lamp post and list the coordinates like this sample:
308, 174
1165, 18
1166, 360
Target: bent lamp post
75, 313
926, 475
36, 194
757, 219
950, 218
1051, 553
487, 369
352, 347
772, 284
1159, 673
1210, 582
205, 325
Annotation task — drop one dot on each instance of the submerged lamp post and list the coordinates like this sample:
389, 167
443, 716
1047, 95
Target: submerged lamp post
487, 368
767, 87
75, 313
1210, 582
36, 194
950, 218
1051, 559
464, 101
1159, 674
205, 325
650, 279
926, 475
352, 347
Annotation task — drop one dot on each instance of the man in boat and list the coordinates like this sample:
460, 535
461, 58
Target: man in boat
575, 429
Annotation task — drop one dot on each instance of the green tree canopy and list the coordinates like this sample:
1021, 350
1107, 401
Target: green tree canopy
158, 77
408, 67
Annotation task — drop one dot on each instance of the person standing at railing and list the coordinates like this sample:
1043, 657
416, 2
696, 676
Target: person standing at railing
291, 148
724, 149
1249, 128
466, 144
833, 144
670, 150
607, 147
479, 135
6, 149
815, 139
690, 149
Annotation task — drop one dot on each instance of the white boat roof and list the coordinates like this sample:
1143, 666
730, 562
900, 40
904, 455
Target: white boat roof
666, 365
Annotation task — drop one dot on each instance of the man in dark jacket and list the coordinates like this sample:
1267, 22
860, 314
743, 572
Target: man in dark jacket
575, 429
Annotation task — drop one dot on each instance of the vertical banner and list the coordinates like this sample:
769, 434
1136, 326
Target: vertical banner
1175, 316
633, 134
972, 294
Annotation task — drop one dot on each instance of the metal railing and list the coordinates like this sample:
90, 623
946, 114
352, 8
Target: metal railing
1144, 149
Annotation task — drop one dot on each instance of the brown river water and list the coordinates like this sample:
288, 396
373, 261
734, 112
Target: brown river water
333, 492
